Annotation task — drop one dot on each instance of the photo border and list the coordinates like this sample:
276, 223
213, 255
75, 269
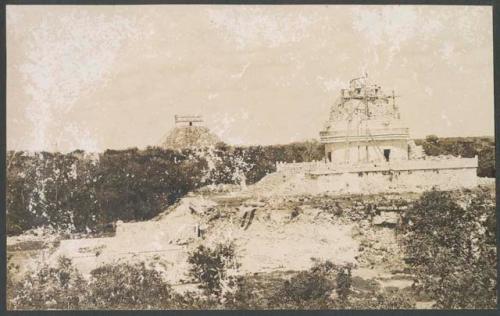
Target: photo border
496, 49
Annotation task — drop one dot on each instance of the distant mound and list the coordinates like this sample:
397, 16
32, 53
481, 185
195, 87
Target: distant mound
182, 137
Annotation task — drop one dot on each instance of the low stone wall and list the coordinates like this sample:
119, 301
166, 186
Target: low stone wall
395, 181
320, 167
400, 176
301, 167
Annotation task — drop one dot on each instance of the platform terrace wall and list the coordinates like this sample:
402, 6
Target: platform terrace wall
404, 176
439, 162
395, 181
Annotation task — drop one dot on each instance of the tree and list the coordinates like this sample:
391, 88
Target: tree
448, 248
344, 281
431, 147
486, 163
433, 139
209, 267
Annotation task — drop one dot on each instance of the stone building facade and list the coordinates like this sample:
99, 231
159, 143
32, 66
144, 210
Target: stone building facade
365, 126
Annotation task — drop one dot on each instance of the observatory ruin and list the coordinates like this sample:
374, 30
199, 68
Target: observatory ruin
365, 126
369, 150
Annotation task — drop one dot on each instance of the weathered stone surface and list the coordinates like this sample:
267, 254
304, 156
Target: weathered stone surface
386, 218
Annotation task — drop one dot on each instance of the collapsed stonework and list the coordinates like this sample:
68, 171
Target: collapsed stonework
369, 150
257, 227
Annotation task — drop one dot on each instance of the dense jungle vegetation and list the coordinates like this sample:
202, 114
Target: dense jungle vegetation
466, 147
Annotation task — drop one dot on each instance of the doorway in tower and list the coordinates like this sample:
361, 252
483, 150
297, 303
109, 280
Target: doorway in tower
329, 156
387, 154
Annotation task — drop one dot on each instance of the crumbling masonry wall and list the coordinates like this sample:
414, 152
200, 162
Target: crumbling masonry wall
401, 176
395, 181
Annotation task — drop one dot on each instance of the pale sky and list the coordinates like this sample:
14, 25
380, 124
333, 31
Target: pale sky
99, 77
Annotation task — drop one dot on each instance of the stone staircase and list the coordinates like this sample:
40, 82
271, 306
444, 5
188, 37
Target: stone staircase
268, 184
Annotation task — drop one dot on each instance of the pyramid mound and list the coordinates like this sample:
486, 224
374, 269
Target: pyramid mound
181, 137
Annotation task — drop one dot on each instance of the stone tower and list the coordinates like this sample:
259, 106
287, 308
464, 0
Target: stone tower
365, 126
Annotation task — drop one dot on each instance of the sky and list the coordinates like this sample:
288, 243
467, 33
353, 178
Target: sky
113, 77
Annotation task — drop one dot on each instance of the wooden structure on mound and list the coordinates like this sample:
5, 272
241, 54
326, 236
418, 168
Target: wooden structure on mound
188, 120
189, 132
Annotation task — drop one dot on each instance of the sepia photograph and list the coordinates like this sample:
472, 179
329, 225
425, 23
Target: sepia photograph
250, 157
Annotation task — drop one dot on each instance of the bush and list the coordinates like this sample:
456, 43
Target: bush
134, 286
245, 295
111, 286
314, 288
209, 267
387, 299
125, 286
194, 301
305, 289
59, 287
